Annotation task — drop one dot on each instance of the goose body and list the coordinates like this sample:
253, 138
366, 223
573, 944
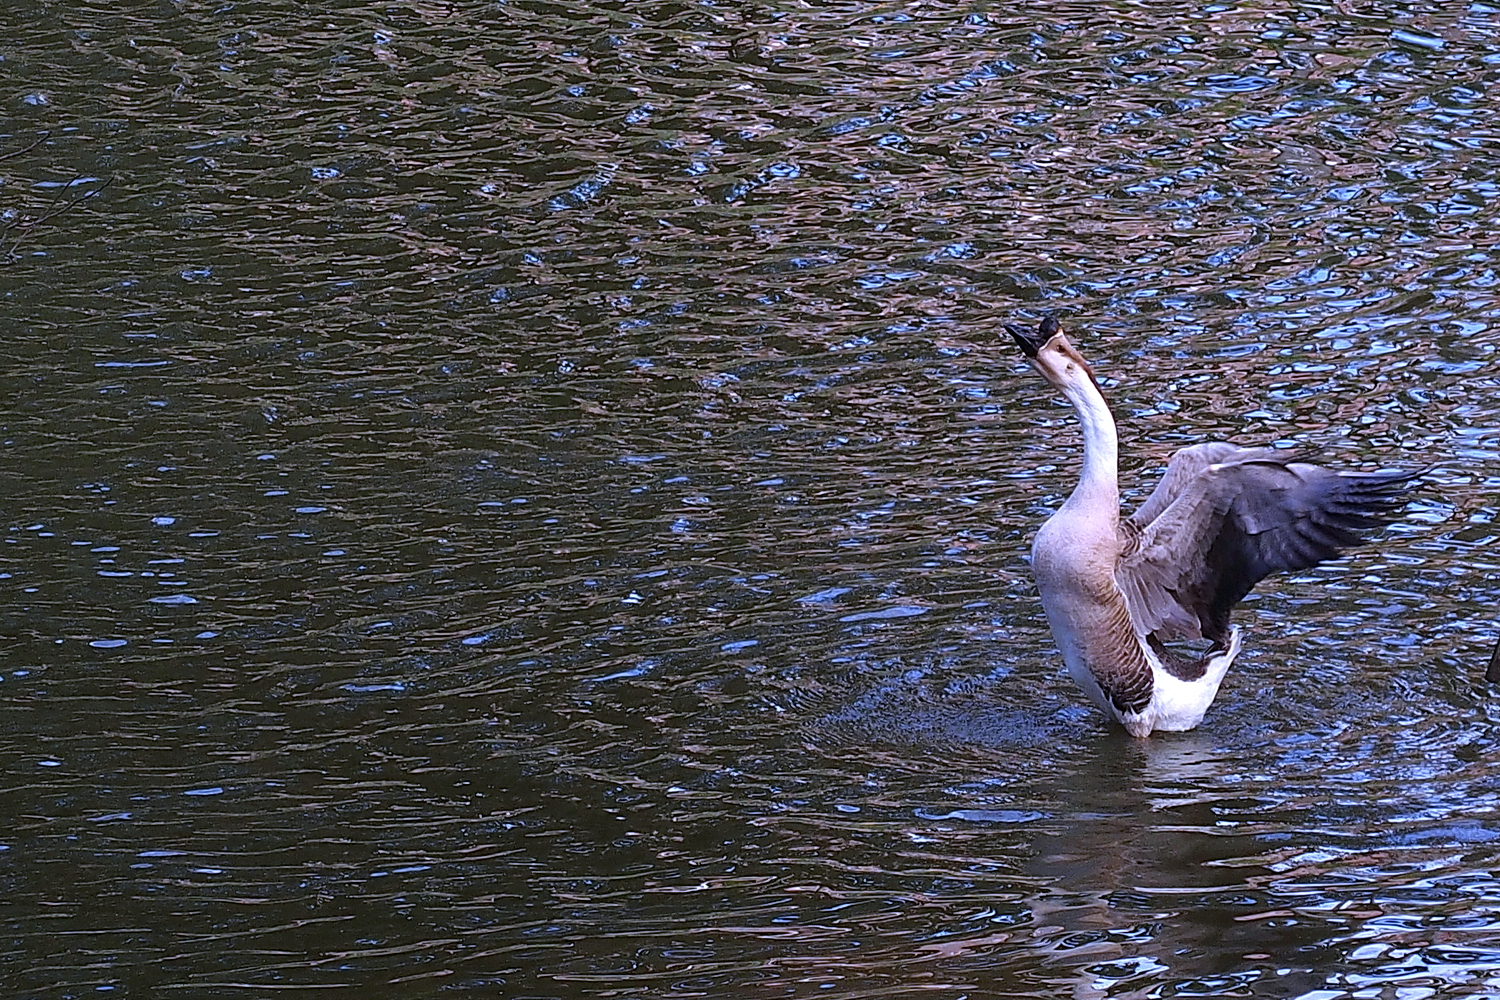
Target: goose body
1117, 590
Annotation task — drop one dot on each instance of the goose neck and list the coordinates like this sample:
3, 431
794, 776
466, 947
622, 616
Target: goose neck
1099, 481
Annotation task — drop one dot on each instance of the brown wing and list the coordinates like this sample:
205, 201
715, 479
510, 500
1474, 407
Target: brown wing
1224, 518
1184, 467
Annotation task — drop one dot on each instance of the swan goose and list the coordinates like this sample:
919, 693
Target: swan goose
1116, 590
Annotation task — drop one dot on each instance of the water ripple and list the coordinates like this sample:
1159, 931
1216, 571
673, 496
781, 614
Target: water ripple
533, 499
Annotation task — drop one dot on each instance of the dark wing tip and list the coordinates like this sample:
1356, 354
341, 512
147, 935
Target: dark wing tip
1274, 531
1376, 495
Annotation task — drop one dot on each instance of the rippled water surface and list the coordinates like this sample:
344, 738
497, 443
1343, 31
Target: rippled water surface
528, 499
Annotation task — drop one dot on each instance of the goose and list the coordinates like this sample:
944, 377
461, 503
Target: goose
1117, 590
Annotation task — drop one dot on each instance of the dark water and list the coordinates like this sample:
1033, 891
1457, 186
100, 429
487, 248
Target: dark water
528, 500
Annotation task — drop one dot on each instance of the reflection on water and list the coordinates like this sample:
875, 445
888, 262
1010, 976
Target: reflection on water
528, 499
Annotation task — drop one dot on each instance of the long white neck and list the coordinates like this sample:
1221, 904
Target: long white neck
1099, 484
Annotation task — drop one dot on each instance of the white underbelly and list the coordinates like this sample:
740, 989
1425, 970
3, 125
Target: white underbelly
1178, 705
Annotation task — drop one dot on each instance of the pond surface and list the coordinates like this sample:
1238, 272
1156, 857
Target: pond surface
531, 499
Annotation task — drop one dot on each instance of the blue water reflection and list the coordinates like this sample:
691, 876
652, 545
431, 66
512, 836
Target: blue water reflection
529, 499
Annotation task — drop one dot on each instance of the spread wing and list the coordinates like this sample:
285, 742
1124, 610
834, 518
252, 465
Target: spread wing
1223, 518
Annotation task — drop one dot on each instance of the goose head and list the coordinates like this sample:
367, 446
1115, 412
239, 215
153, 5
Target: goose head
1050, 352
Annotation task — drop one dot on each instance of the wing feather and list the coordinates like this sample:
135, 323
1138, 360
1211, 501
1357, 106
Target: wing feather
1223, 518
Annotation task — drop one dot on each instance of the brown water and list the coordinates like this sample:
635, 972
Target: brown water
530, 500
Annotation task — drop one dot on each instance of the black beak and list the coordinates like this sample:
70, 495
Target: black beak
1030, 342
